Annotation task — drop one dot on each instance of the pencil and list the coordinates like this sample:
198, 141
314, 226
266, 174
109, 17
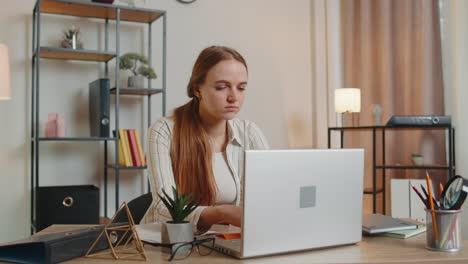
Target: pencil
441, 187
431, 203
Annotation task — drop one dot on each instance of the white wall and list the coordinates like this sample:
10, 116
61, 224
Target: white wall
455, 55
273, 35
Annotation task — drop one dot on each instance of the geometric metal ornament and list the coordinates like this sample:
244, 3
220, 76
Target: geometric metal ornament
123, 247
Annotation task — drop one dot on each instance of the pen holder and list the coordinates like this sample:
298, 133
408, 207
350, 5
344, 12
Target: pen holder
444, 234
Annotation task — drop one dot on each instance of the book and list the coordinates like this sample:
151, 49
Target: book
377, 223
402, 234
125, 147
133, 148
121, 154
140, 149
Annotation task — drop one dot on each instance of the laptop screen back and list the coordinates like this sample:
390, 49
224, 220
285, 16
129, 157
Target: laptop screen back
301, 199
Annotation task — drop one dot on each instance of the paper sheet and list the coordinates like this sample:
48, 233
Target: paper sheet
151, 232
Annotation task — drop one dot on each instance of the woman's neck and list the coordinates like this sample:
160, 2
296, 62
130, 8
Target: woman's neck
217, 132
215, 129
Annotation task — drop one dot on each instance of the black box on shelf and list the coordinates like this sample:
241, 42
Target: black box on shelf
76, 204
412, 121
99, 107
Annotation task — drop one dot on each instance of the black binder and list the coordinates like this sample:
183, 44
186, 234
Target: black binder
54, 247
62, 246
99, 107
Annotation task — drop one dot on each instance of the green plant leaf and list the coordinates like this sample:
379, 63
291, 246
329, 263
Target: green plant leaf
170, 200
143, 59
180, 205
175, 194
168, 206
130, 61
147, 72
190, 208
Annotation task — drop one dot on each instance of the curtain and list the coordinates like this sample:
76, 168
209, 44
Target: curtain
392, 51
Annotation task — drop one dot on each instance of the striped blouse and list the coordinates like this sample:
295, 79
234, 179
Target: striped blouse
243, 135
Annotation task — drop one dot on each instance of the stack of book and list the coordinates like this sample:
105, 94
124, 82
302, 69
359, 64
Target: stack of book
384, 225
130, 150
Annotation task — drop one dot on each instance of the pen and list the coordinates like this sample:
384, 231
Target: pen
431, 203
436, 205
420, 196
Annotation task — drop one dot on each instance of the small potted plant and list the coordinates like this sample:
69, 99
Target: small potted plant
138, 65
179, 206
71, 38
417, 159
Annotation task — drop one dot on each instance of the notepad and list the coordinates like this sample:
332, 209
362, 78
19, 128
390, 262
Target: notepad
405, 233
377, 223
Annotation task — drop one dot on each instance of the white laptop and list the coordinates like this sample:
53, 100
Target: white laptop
295, 200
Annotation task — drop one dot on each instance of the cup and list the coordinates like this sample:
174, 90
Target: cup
445, 233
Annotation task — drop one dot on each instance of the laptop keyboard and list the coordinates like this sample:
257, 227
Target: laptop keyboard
228, 247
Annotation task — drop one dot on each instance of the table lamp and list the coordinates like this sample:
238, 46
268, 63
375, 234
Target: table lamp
347, 101
5, 92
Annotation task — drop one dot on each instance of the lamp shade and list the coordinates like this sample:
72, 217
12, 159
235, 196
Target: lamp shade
347, 100
5, 91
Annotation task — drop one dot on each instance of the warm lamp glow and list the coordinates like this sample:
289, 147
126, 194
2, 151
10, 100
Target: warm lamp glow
347, 100
5, 92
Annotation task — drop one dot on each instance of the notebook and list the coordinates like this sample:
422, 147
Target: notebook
402, 234
377, 223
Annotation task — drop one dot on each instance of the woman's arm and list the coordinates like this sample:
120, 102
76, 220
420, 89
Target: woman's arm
220, 214
160, 173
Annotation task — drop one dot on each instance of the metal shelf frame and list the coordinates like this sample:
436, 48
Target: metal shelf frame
91, 10
382, 129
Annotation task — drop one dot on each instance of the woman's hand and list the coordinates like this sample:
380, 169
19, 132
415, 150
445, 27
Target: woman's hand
220, 214
231, 214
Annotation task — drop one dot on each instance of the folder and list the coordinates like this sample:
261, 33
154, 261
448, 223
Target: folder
53, 247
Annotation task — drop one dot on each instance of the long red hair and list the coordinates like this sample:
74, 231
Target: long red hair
191, 151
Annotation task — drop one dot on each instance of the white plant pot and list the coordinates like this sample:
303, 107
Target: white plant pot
176, 233
136, 81
418, 160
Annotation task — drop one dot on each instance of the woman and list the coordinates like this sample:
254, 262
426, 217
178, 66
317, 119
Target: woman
200, 148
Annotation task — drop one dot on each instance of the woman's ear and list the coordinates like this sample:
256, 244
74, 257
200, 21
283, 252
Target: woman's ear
197, 93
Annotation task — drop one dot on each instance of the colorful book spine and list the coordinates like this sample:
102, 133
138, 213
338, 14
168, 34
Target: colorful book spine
133, 148
121, 154
125, 147
140, 149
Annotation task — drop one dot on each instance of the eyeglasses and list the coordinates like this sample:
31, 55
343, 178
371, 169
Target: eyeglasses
181, 251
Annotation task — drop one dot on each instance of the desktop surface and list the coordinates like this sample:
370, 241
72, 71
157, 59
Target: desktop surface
372, 249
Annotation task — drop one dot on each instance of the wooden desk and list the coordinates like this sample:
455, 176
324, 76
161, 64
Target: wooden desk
369, 250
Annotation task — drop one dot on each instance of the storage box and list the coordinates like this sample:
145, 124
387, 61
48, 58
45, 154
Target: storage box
77, 204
